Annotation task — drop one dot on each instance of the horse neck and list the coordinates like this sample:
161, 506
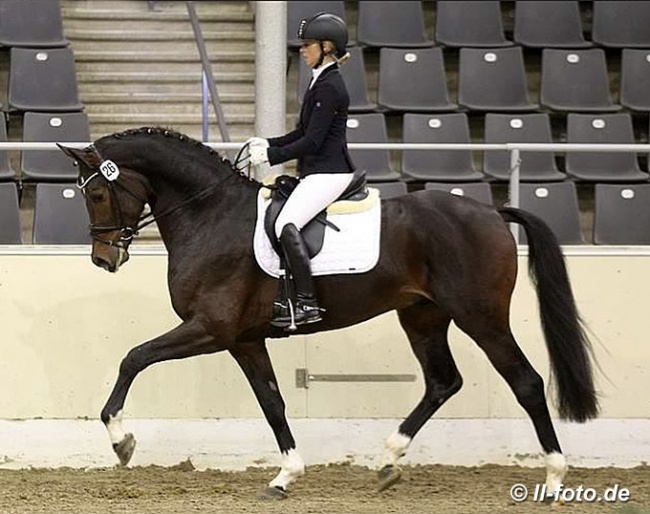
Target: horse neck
190, 183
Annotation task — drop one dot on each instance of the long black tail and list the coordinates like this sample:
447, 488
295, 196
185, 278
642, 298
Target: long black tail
568, 345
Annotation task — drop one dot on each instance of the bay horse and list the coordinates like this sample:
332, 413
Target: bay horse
442, 258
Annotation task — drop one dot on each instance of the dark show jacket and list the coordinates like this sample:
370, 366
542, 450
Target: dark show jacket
319, 140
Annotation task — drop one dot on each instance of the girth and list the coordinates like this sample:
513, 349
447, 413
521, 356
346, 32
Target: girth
314, 231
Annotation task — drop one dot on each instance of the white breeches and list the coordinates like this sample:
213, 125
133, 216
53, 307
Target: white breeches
313, 194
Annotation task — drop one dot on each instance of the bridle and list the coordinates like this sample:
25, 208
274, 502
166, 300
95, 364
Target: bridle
108, 171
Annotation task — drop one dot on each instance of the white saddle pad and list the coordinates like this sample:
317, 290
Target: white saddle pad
355, 249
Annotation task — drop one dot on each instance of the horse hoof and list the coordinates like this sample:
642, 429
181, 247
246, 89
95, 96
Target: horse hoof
125, 448
273, 493
388, 476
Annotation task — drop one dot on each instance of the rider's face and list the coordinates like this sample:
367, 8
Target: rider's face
310, 51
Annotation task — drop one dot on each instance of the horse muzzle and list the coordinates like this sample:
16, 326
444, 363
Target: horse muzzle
109, 258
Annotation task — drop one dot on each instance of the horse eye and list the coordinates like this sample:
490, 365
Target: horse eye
97, 195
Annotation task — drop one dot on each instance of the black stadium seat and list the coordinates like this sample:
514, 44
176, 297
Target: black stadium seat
31, 23
622, 214
370, 128
413, 80
602, 166
544, 24
390, 189
9, 214
398, 24
470, 23
520, 128
52, 165
6, 170
635, 79
60, 215
575, 80
43, 80
438, 165
620, 23
479, 191
493, 79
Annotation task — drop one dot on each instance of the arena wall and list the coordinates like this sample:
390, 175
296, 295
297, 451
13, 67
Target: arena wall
66, 325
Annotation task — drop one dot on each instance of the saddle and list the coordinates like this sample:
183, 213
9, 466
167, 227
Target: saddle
313, 232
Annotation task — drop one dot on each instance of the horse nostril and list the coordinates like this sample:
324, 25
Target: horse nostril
101, 263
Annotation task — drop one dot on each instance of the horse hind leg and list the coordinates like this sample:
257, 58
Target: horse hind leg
426, 327
496, 340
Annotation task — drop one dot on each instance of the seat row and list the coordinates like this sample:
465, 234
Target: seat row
494, 79
459, 165
559, 24
621, 213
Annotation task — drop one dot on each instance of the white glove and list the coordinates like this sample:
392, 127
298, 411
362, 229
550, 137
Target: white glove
258, 155
257, 141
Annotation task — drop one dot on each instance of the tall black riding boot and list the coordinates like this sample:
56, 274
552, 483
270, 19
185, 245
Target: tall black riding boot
306, 309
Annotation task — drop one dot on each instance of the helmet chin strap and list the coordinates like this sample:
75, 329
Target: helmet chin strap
322, 55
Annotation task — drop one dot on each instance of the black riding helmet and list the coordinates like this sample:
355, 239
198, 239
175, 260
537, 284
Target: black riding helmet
325, 27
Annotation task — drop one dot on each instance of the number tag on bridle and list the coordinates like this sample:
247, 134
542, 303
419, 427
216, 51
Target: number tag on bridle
110, 170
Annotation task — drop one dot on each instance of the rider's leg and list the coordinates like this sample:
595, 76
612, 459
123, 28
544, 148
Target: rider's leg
313, 194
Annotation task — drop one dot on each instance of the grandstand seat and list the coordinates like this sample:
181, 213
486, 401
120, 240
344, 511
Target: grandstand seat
413, 80
520, 128
60, 215
31, 23
52, 165
543, 24
575, 80
470, 23
390, 189
479, 191
6, 170
370, 128
354, 76
398, 24
438, 165
622, 214
303, 9
602, 166
557, 204
493, 80
9, 214
620, 23
635, 79
43, 80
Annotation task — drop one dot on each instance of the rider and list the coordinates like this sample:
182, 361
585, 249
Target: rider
324, 166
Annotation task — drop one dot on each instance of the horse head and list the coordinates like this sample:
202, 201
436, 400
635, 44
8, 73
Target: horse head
115, 200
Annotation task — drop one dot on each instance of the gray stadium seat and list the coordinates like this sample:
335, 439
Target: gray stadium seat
493, 80
6, 170
43, 80
60, 215
479, 191
438, 165
544, 24
635, 79
470, 23
354, 76
622, 214
413, 80
9, 214
620, 23
602, 166
397, 24
390, 189
520, 128
303, 9
52, 165
557, 204
370, 128
31, 23
575, 80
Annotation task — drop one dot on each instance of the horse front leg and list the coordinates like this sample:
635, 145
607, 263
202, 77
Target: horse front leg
253, 358
186, 340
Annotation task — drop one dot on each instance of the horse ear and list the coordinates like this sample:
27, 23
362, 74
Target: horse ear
75, 154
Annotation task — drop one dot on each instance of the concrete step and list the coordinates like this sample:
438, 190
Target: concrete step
110, 20
160, 7
168, 108
164, 77
237, 132
172, 97
185, 91
155, 117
